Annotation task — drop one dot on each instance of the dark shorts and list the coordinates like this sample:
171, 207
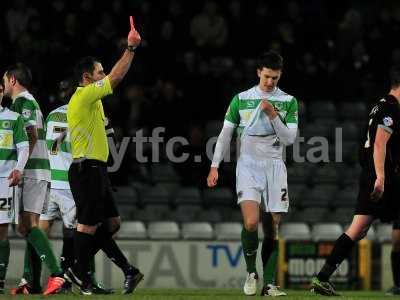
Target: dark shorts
388, 207
92, 192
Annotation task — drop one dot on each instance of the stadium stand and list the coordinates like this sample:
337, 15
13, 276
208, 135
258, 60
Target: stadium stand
197, 231
228, 231
326, 231
132, 230
295, 231
149, 192
57, 230
384, 232
163, 230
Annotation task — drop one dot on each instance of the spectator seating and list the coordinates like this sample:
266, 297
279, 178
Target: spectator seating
163, 230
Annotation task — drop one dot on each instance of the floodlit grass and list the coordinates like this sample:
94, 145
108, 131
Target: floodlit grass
219, 294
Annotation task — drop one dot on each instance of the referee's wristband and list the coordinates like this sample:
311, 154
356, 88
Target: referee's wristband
131, 48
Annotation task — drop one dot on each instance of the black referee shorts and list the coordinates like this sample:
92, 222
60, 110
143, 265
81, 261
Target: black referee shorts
92, 192
387, 209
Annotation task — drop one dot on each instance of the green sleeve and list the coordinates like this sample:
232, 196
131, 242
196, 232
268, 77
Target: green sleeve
19, 133
292, 113
232, 115
26, 109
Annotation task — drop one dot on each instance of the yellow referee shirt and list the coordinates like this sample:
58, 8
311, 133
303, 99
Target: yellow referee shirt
85, 116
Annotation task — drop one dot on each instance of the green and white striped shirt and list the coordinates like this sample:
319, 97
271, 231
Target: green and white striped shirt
245, 103
12, 137
38, 166
259, 138
59, 147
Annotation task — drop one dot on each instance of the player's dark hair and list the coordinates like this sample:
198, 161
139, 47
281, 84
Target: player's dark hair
271, 60
395, 76
84, 65
21, 73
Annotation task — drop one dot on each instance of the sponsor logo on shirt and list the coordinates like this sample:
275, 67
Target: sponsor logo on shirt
99, 83
6, 140
388, 121
6, 124
26, 113
251, 103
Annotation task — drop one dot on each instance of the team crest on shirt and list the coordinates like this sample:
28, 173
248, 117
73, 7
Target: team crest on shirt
282, 114
278, 106
387, 121
6, 124
26, 113
99, 83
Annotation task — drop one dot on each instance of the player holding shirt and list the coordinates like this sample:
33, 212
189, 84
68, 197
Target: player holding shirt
266, 121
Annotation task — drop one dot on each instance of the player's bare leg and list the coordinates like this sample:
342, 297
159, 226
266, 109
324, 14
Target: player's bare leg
250, 212
343, 245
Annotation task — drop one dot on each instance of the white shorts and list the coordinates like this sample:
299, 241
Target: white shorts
35, 195
9, 202
265, 180
61, 206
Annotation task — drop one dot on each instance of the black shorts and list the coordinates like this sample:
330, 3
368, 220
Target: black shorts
388, 207
92, 192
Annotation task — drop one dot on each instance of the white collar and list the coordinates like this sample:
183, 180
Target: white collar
23, 93
265, 94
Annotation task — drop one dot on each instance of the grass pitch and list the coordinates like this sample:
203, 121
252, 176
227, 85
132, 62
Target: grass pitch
208, 294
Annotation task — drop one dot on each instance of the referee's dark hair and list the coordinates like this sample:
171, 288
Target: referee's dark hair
84, 65
271, 60
21, 73
395, 76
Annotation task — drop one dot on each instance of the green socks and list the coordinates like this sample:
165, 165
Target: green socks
4, 258
41, 244
270, 266
250, 246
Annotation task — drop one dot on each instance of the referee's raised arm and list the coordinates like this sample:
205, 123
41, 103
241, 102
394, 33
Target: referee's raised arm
122, 66
96, 211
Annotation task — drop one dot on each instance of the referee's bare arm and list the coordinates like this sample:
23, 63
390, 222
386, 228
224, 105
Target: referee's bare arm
120, 69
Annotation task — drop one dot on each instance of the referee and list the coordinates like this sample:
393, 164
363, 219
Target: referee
97, 215
379, 185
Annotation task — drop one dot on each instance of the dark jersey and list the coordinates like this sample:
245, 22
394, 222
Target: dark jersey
385, 115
